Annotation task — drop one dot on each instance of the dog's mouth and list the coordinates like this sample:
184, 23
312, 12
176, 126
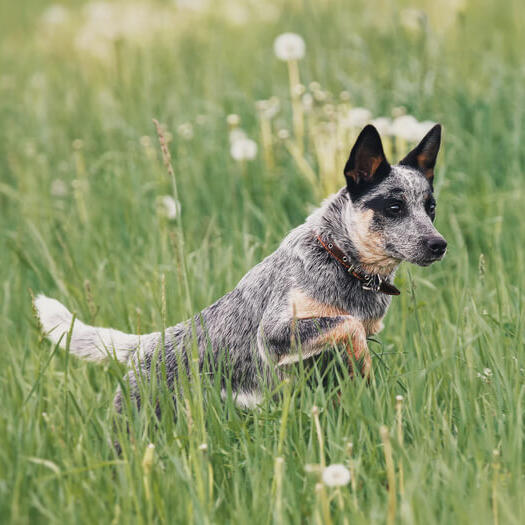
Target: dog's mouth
431, 260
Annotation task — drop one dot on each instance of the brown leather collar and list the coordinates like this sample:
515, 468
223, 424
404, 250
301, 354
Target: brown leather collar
371, 282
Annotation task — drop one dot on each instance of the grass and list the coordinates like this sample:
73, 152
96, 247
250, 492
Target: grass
105, 251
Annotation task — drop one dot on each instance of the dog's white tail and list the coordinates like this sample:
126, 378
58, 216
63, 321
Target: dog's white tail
88, 342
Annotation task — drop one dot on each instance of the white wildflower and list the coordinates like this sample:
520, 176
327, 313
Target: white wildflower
336, 475
358, 117
55, 15
168, 207
308, 101
413, 19
268, 108
485, 375
192, 5
407, 128
289, 46
298, 90
383, 125
58, 188
312, 468
243, 149
233, 120
283, 134
185, 131
425, 127
203, 447
344, 96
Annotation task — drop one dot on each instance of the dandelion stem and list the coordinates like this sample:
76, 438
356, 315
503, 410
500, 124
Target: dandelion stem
315, 414
278, 484
399, 418
495, 476
266, 137
297, 109
391, 477
351, 465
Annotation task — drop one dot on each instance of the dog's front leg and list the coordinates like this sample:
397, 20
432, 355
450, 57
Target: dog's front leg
295, 339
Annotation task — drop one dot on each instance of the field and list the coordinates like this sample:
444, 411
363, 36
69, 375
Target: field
90, 215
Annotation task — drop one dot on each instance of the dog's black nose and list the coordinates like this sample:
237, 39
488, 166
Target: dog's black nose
437, 245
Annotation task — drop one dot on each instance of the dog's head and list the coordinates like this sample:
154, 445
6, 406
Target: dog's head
392, 209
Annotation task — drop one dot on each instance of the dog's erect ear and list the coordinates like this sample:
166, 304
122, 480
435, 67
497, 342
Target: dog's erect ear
367, 164
423, 156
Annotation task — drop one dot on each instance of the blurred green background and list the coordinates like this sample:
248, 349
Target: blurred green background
87, 217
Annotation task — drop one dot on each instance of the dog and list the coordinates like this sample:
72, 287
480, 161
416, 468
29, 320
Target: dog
327, 286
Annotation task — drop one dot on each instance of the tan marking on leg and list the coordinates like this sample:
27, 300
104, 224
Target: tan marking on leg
305, 307
353, 333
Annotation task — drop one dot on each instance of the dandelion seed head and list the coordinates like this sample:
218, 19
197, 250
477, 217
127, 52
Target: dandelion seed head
413, 19
358, 117
406, 127
312, 468
320, 95
55, 15
185, 131
203, 447
243, 149
289, 46
344, 96
168, 207
78, 144
58, 188
383, 125
307, 101
336, 475
233, 120
283, 134
399, 111
298, 90
145, 141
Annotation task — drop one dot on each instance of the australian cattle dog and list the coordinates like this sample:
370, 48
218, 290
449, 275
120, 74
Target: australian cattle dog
326, 288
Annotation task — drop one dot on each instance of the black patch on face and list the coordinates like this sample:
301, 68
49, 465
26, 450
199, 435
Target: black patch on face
391, 205
361, 188
430, 206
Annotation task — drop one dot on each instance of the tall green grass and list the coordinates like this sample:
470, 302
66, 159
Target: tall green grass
453, 341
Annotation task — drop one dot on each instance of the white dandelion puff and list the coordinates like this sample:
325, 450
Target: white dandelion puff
336, 475
407, 128
413, 19
55, 15
185, 131
358, 117
425, 127
308, 101
243, 149
168, 207
283, 134
58, 188
289, 46
233, 120
383, 125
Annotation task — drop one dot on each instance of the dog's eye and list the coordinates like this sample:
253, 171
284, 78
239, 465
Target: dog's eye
431, 208
394, 208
